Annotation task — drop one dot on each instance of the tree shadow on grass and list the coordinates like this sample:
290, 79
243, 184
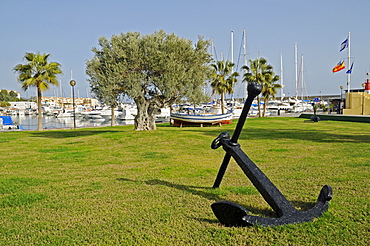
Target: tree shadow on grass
70, 133
314, 134
189, 189
300, 205
320, 136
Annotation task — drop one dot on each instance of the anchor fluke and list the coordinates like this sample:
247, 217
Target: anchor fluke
233, 215
229, 214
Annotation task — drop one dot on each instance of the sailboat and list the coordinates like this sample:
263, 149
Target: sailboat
204, 117
299, 105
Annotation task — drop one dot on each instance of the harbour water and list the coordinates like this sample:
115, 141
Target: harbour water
29, 122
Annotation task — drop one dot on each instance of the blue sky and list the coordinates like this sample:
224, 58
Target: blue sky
69, 29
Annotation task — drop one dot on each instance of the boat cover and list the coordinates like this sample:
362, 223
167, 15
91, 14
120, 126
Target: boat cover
7, 120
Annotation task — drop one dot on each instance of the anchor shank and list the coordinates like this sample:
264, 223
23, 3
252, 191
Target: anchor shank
253, 90
268, 190
242, 119
234, 138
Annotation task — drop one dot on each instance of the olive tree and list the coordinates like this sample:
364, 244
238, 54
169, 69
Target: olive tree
154, 70
107, 91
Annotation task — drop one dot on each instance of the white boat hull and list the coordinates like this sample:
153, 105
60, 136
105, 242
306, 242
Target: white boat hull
179, 118
127, 114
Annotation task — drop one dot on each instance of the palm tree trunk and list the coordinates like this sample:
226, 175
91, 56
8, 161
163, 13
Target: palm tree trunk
112, 118
222, 103
39, 117
259, 106
264, 107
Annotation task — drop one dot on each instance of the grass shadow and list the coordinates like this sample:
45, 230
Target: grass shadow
70, 133
313, 135
209, 221
190, 189
303, 206
208, 194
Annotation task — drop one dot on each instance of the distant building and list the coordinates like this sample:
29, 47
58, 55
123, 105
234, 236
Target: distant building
62, 102
23, 105
65, 102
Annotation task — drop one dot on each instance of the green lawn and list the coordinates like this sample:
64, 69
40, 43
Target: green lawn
117, 186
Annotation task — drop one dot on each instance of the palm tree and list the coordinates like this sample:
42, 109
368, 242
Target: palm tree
38, 72
269, 89
223, 80
261, 72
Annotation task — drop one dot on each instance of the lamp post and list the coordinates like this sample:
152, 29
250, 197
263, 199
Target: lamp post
73, 83
341, 100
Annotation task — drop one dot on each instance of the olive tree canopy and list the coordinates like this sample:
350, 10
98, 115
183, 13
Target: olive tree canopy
155, 70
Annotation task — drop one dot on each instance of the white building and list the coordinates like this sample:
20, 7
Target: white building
23, 105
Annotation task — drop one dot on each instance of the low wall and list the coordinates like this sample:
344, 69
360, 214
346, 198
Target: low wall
359, 104
339, 117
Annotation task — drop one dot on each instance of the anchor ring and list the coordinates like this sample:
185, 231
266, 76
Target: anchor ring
217, 142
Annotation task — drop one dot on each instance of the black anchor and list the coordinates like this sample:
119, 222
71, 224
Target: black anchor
231, 214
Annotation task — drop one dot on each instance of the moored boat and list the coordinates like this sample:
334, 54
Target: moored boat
181, 119
92, 115
127, 113
6, 123
64, 114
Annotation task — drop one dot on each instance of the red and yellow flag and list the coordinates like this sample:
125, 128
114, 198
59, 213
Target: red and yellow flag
340, 66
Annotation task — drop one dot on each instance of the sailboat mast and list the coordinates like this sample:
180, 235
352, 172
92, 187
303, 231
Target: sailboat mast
245, 60
281, 78
232, 54
232, 50
212, 49
245, 47
302, 77
61, 94
296, 68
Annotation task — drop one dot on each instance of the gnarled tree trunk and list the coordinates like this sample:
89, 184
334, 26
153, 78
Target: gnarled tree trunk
145, 118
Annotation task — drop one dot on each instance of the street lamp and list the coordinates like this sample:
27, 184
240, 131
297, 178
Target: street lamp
73, 83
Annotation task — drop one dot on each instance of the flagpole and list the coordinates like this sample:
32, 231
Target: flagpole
349, 74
